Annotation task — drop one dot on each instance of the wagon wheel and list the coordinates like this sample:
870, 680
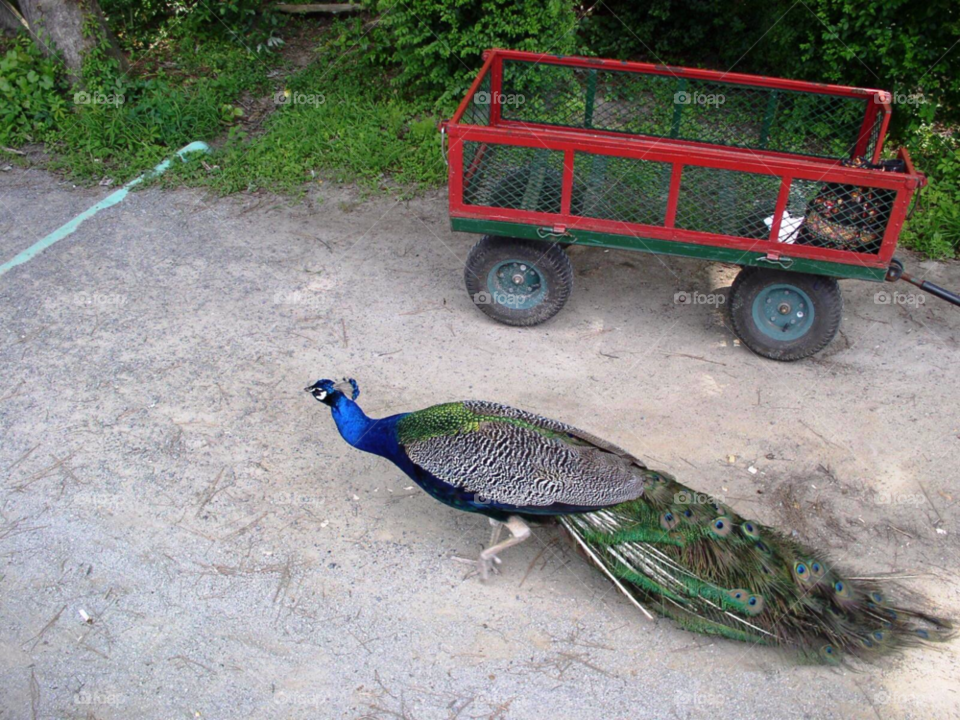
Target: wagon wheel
784, 315
518, 282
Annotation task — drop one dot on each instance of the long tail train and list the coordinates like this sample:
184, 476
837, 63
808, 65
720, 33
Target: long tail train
715, 572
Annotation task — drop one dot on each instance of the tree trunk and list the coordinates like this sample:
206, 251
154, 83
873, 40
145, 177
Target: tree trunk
57, 25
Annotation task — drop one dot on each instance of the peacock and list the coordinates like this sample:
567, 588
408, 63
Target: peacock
683, 554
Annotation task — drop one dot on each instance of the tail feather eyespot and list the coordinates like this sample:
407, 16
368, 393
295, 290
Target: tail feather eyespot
829, 654
842, 590
668, 521
721, 526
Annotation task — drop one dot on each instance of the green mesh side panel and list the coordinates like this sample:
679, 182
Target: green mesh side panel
508, 176
726, 202
615, 188
840, 217
721, 113
478, 109
874, 135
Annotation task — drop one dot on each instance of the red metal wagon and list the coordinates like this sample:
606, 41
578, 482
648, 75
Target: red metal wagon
782, 177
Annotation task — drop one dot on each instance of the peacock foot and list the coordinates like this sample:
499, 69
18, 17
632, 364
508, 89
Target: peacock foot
482, 566
488, 560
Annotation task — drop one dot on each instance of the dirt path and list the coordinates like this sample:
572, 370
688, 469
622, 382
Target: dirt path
183, 535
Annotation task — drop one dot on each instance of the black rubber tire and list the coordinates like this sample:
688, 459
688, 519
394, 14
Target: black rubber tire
550, 261
824, 293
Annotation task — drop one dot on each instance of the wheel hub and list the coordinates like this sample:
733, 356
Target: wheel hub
516, 284
783, 312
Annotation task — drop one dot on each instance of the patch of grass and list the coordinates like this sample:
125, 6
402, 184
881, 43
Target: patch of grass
337, 119
123, 124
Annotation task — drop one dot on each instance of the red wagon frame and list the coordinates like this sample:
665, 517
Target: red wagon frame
682, 155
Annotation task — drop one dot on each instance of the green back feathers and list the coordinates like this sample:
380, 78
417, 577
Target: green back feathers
439, 420
460, 417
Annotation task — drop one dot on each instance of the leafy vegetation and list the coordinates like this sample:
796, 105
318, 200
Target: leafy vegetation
32, 94
365, 103
336, 120
123, 123
934, 229
437, 46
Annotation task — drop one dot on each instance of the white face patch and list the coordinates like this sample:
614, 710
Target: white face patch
320, 394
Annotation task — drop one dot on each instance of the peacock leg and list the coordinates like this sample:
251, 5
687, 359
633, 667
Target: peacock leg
519, 531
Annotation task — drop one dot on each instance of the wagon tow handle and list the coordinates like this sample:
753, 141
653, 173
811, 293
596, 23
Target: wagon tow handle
895, 272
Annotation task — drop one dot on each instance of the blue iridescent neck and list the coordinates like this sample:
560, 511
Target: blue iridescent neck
371, 435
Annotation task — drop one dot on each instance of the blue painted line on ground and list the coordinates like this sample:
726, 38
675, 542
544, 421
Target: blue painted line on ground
67, 228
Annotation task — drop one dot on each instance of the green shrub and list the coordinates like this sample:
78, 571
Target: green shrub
934, 228
896, 45
31, 94
436, 45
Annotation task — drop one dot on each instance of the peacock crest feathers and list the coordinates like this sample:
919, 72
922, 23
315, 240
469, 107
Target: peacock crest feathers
693, 559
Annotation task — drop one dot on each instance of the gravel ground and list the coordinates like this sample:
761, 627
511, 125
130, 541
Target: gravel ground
184, 535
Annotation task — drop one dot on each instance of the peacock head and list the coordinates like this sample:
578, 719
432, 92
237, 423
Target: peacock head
329, 391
